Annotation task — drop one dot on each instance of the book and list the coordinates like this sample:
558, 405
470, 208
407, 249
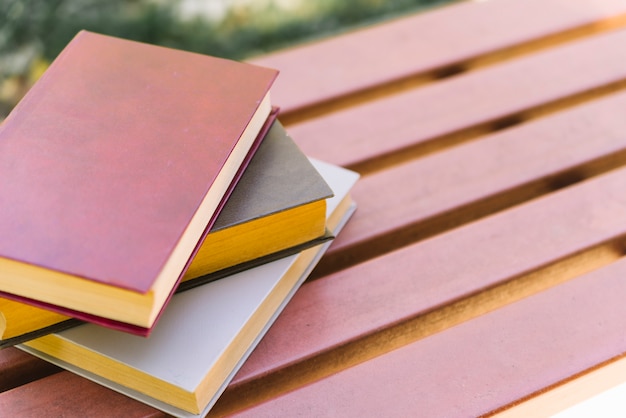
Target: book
206, 333
113, 167
280, 202
277, 208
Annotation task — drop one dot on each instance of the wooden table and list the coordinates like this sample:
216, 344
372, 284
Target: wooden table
483, 271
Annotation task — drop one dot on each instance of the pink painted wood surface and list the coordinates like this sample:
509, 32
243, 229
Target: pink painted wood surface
67, 395
415, 117
481, 365
18, 368
443, 37
432, 274
480, 177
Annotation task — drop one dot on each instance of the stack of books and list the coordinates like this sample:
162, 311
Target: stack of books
155, 218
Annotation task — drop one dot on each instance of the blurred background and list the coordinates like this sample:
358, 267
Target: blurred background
33, 32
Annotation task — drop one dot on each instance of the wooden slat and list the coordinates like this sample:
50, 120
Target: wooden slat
361, 312
482, 365
18, 368
67, 395
402, 126
478, 178
429, 43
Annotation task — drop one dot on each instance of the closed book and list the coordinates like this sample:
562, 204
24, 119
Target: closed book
206, 333
279, 203
277, 208
112, 169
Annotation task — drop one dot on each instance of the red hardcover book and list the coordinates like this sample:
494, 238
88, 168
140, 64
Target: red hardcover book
112, 169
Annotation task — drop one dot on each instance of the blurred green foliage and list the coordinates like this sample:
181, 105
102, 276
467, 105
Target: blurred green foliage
35, 31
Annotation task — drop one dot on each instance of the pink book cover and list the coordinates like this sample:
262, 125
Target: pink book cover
107, 158
134, 329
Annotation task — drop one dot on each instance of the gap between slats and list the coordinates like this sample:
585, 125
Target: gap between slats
475, 132
375, 246
400, 334
19, 368
416, 80
397, 335
464, 109
450, 217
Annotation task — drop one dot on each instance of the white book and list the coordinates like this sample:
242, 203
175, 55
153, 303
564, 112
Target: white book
205, 334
